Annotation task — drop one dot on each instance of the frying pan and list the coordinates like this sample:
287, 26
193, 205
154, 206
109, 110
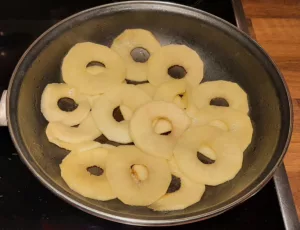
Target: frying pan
228, 54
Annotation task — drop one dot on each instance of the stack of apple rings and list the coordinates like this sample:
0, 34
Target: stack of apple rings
144, 129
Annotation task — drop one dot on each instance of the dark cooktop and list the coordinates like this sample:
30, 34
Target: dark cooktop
26, 204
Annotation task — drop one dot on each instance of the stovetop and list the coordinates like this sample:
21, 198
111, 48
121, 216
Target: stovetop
25, 203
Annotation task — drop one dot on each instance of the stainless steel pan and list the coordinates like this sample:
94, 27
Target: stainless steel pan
228, 54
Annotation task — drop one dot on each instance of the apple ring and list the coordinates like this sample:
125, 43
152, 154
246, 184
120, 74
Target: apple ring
74, 171
86, 131
74, 68
147, 88
170, 91
144, 135
161, 126
92, 99
79, 147
175, 55
126, 42
126, 112
83, 146
102, 111
51, 111
188, 193
231, 92
191, 109
238, 124
132, 188
228, 155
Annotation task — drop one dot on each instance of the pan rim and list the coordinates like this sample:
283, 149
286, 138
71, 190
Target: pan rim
47, 181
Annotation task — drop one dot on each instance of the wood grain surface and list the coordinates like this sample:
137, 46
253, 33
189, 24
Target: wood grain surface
275, 24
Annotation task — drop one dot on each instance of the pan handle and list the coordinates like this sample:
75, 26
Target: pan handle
3, 118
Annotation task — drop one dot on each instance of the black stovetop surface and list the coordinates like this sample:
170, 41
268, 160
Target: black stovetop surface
24, 202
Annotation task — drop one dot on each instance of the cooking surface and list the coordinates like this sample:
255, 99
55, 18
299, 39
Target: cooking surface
24, 202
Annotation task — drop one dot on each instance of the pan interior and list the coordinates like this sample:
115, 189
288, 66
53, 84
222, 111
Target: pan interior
227, 55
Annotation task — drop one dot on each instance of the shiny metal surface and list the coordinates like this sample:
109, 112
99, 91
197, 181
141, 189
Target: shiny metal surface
285, 198
228, 54
240, 16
